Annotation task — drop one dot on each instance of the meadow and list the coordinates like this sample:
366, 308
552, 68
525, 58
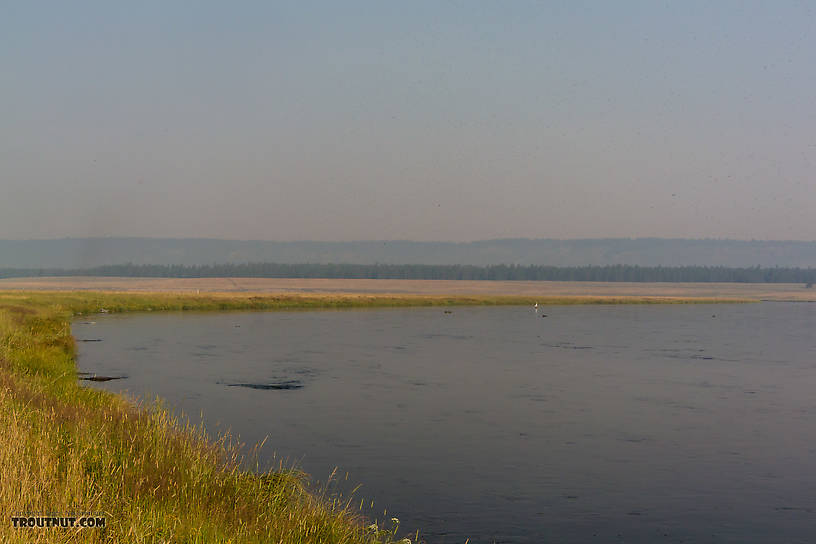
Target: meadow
534, 290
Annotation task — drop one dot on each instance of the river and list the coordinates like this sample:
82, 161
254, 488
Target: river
630, 423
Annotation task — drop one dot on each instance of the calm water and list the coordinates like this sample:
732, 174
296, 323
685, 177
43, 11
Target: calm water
594, 424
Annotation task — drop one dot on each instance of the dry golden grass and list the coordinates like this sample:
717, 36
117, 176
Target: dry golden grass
764, 291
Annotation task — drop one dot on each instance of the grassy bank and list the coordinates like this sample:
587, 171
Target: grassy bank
68, 449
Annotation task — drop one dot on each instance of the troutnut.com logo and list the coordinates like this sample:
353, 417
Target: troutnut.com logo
50, 521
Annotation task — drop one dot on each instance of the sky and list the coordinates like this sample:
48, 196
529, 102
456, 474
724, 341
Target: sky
408, 120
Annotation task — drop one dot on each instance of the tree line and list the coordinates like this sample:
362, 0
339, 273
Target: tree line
610, 273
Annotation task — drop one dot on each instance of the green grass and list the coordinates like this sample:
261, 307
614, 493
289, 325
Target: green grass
66, 448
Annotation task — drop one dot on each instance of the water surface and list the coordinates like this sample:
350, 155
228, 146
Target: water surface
592, 424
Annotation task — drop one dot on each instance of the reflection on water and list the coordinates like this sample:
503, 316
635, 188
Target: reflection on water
607, 424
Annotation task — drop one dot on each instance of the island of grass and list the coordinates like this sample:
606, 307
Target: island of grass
66, 450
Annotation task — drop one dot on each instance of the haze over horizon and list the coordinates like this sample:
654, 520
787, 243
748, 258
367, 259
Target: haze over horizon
455, 121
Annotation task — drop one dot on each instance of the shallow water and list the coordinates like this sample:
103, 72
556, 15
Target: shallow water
597, 423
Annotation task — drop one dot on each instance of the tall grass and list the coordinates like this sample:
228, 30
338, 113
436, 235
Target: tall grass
68, 449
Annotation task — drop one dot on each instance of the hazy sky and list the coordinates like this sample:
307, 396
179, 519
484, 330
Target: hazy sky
412, 120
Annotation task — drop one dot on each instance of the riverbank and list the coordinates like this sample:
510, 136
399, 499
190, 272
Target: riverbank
67, 449
533, 289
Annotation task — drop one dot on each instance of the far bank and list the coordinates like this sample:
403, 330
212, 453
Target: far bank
528, 289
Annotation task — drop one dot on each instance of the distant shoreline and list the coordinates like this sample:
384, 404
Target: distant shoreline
88, 253
452, 288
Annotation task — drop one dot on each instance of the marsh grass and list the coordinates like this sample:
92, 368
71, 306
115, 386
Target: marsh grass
67, 449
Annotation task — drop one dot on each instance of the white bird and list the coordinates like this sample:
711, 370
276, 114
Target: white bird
536, 307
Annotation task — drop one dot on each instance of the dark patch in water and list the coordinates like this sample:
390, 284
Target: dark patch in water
301, 371
275, 386
453, 336
673, 350
687, 354
96, 378
90, 340
565, 345
633, 440
793, 509
535, 397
